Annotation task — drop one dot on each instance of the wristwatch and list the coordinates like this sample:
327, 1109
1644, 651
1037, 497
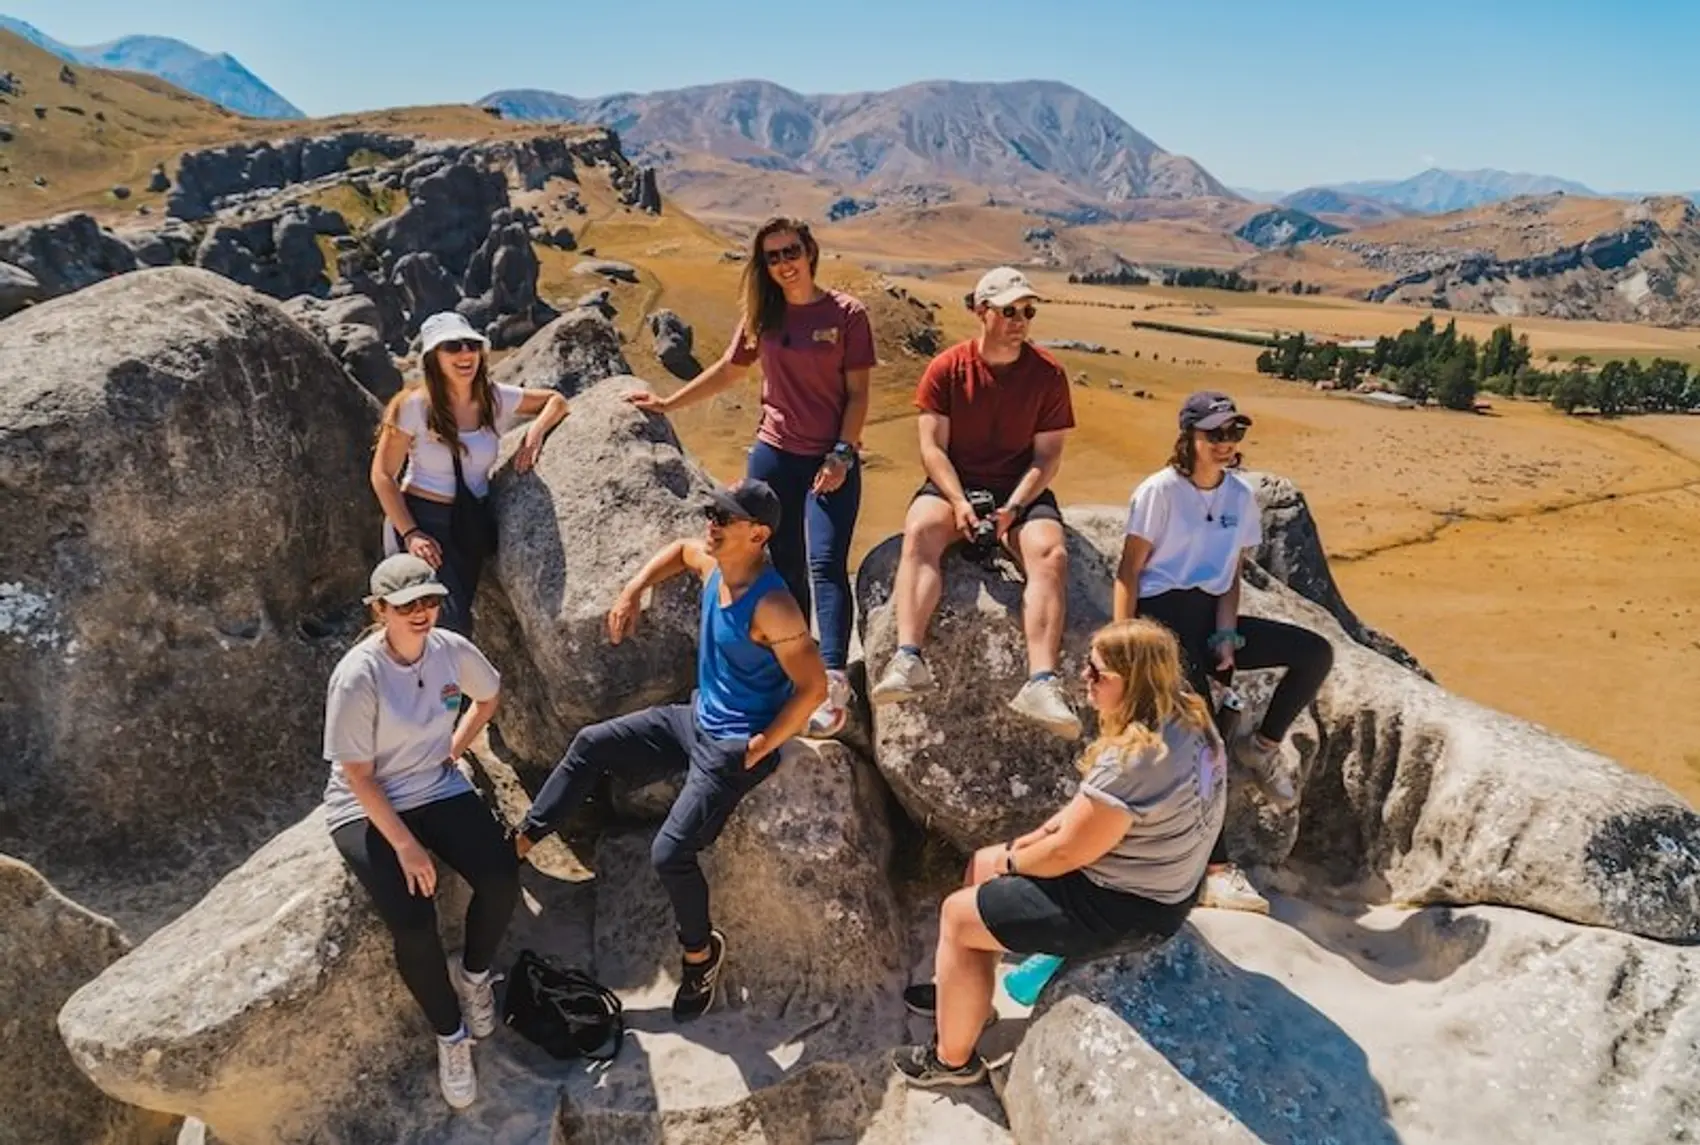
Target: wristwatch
1016, 508
845, 452
1009, 860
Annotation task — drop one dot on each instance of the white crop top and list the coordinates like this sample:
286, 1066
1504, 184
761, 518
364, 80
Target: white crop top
430, 468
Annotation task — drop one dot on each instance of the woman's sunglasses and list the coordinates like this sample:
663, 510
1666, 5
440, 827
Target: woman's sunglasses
1225, 434
789, 253
460, 346
1093, 673
431, 602
1026, 312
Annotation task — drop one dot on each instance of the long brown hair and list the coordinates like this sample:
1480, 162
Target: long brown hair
1184, 458
439, 412
764, 301
1147, 657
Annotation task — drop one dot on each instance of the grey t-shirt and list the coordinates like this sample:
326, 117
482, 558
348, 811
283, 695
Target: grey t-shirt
1176, 793
401, 718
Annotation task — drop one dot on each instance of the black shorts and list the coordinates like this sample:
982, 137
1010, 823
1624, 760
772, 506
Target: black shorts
1043, 508
1071, 916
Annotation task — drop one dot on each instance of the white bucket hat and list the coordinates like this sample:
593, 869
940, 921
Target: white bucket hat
447, 326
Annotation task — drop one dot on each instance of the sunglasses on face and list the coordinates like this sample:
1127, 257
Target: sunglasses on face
1225, 434
720, 518
789, 253
459, 346
422, 603
1093, 673
1026, 312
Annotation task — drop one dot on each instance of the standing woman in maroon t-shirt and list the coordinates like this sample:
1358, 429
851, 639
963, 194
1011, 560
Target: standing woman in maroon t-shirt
816, 349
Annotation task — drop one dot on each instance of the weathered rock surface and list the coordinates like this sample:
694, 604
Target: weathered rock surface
448, 214
1326, 1027
182, 473
170, 243
65, 253
279, 257
49, 946
575, 351
501, 286
607, 268
961, 762
672, 337
18, 288
362, 353
425, 286
205, 177
543, 614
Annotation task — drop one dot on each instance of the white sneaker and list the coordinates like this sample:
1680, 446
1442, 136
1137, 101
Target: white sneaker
477, 1000
829, 719
1229, 889
906, 677
1045, 703
454, 1072
1264, 764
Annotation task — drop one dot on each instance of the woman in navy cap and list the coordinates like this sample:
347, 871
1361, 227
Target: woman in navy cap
1187, 532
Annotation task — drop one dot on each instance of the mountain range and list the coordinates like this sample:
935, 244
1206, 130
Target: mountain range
220, 78
1043, 142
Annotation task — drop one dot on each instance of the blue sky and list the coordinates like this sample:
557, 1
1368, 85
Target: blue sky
1267, 95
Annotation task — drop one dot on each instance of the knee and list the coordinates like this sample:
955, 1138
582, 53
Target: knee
669, 854
1317, 652
415, 935
925, 541
959, 913
1049, 566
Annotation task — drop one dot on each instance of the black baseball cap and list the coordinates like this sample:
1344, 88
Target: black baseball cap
748, 500
1210, 409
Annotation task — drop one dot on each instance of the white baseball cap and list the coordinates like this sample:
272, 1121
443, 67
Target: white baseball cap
1002, 286
446, 326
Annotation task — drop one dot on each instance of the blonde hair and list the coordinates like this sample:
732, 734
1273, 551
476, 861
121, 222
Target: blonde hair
1147, 657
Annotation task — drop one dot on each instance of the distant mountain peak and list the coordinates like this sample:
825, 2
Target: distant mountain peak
1438, 190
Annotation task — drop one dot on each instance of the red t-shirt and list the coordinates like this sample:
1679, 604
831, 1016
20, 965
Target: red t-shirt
995, 412
803, 363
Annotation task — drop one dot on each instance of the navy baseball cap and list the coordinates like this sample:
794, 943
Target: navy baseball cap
748, 500
1210, 409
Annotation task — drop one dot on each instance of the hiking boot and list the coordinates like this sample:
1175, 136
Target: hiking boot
477, 999
1227, 888
906, 677
921, 1066
829, 719
1045, 703
700, 981
1264, 764
454, 1071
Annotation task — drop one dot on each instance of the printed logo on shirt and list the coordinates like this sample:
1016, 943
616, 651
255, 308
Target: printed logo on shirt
826, 334
451, 697
1209, 770
1229, 520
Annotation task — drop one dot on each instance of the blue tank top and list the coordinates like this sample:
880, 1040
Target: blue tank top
740, 684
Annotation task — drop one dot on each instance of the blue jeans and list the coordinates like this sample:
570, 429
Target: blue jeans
820, 563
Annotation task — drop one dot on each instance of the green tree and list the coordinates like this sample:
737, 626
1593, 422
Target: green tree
1455, 382
1351, 367
1573, 389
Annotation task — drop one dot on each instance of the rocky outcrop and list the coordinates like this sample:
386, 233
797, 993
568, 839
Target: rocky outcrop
608, 268
188, 530
501, 286
276, 256
362, 353
672, 337
65, 253
425, 288
575, 351
448, 214
1284, 226
205, 177
171, 243
18, 288
49, 946
960, 761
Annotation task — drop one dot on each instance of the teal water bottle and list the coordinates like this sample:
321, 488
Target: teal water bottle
1025, 981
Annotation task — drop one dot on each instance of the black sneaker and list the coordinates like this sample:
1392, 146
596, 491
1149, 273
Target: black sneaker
920, 1066
699, 981
922, 998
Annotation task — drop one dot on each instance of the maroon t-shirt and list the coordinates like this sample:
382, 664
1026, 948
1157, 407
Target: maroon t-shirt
995, 412
803, 363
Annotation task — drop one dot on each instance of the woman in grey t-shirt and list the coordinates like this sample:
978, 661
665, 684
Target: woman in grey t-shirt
1125, 857
395, 798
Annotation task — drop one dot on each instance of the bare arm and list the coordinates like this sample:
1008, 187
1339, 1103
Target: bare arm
477, 715
858, 394
1047, 459
935, 456
720, 376
778, 624
387, 461
673, 559
1228, 618
1136, 551
1086, 832
416, 865
550, 409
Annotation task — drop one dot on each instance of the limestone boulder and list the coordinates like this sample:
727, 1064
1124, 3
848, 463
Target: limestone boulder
360, 350
612, 486
189, 531
424, 286
448, 214
65, 253
960, 761
608, 268
49, 946
572, 353
671, 337
18, 288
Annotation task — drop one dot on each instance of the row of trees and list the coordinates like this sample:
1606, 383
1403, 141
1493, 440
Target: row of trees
1443, 366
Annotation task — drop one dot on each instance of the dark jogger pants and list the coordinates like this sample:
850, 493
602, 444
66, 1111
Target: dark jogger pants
460, 570
647, 746
462, 833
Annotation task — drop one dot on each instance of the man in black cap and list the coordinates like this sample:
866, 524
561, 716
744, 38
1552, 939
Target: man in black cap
759, 676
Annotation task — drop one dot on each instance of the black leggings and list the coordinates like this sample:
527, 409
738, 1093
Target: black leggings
1190, 613
462, 833
459, 571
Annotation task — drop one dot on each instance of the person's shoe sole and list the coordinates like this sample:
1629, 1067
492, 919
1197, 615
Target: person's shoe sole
1068, 731
827, 733
897, 695
944, 1080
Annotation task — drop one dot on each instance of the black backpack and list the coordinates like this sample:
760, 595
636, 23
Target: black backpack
565, 1011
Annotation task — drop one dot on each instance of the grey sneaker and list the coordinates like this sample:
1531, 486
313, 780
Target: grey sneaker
454, 1072
920, 1066
1264, 764
829, 719
1045, 703
906, 677
1229, 889
477, 1000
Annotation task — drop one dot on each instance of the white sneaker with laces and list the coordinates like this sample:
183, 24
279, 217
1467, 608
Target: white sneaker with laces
906, 677
1265, 766
1045, 703
1227, 888
829, 719
477, 999
454, 1072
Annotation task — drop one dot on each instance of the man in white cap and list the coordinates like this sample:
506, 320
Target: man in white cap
994, 412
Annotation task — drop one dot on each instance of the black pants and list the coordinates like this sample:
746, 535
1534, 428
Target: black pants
1190, 613
460, 570
463, 834
650, 745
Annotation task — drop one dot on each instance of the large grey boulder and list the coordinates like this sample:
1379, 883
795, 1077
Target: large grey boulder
189, 531
575, 351
501, 287
672, 337
960, 761
65, 253
49, 946
276, 256
271, 1011
608, 268
425, 288
171, 243
363, 354
1314, 1029
448, 215
613, 485
238, 169
18, 288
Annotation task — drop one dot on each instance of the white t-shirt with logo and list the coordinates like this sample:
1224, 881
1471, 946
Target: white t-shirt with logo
401, 718
1196, 535
430, 466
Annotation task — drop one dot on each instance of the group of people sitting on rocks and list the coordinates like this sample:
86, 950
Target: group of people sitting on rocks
1129, 855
